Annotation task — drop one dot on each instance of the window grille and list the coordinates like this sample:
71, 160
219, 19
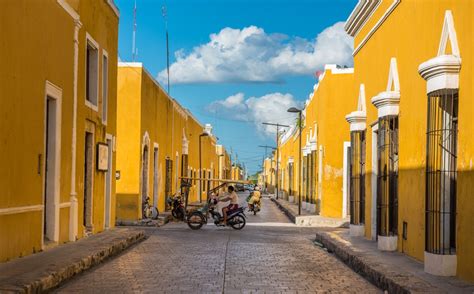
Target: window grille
441, 173
357, 195
169, 172
387, 176
312, 181
290, 179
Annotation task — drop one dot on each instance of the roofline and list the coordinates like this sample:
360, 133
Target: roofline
359, 16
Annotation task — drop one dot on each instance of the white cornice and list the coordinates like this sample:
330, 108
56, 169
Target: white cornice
68, 9
357, 119
387, 103
442, 71
387, 13
359, 16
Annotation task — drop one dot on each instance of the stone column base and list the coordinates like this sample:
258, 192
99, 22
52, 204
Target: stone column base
291, 199
356, 230
387, 243
440, 265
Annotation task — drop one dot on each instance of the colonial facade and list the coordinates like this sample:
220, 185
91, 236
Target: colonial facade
58, 125
411, 134
159, 142
324, 166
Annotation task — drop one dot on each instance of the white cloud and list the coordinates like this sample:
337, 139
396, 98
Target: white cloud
268, 108
252, 55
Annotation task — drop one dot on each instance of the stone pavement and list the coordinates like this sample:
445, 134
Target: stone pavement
270, 255
45, 270
391, 271
307, 219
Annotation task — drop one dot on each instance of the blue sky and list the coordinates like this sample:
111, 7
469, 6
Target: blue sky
239, 62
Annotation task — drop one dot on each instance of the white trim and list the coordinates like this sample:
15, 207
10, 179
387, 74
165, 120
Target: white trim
65, 204
53, 92
345, 177
387, 102
360, 15
21, 209
442, 72
387, 13
373, 182
357, 119
68, 9
440, 265
93, 42
73, 212
108, 177
145, 143
448, 32
106, 102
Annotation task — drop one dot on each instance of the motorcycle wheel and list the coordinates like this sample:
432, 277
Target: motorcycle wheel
180, 213
196, 220
238, 222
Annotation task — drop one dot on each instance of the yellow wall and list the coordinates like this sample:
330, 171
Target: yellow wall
40, 48
147, 115
329, 106
412, 34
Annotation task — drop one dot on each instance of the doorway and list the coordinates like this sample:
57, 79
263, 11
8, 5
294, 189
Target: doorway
346, 179
51, 171
144, 189
155, 176
108, 183
88, 170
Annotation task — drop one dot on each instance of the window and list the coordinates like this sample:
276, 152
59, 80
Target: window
105, 86
357, 169
387, 176
290, 179
92, 68
441, 172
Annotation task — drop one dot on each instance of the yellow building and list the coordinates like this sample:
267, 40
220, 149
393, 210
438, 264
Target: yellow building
268, 175
412, 129
158, 143
58, 89
324, 148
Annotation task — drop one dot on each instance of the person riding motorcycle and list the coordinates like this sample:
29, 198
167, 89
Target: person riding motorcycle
255, 199
234, 202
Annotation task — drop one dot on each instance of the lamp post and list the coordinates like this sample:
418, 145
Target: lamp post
300, 127
200, 165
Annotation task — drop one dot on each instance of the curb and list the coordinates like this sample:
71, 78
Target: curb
357, 264
56, 277
286, 211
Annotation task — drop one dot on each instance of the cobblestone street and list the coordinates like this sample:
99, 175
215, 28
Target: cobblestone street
269, 255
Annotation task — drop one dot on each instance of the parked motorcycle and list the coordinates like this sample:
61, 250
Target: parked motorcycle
197, 218
177, 207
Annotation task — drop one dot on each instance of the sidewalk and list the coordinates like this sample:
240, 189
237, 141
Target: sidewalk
307, 219
391, 271
46, 270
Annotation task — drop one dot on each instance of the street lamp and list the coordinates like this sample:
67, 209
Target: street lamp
200, 165
300, 126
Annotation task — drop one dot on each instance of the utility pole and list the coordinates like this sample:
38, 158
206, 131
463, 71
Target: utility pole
263, 164
165, 17
277, 143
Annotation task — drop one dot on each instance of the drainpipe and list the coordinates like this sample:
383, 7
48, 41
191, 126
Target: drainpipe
73, 212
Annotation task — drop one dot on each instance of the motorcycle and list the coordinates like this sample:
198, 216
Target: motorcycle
149, 211
256, 206
197, 218
177, 207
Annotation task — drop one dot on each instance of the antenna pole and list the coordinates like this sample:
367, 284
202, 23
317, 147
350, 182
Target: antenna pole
134, 31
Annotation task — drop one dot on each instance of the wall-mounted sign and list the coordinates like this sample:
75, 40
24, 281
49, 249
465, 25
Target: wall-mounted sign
102, 157
117, 175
